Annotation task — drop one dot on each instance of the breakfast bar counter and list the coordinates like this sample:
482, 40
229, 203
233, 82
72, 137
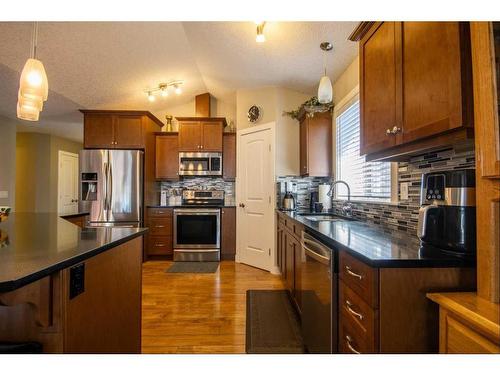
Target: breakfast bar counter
71, 289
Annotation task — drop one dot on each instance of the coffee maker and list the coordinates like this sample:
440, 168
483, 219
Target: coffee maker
447, 216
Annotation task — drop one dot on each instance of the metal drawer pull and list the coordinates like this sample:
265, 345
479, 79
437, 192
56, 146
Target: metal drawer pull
159, 226
354, 274
349, 308
160, 212
159, 245
349, 345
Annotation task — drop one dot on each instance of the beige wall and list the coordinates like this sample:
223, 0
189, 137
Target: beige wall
218, 108
273, 101
347, 81
7, 160
37, 170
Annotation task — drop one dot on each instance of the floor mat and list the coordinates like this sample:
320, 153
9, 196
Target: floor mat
272, 325
193, 267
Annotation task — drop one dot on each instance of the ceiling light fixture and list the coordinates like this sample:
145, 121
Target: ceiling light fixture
33, 84
163, 88
260, 38
325, 90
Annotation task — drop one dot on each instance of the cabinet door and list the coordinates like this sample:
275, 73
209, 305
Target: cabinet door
98, 131
304, 142
167, 157
485, 38
229, 156
290, 263
128, 131
212, 136
228, 224
432, 60
379, 87
190, 136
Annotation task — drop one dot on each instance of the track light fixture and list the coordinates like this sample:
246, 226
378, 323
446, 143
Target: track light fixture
163, 90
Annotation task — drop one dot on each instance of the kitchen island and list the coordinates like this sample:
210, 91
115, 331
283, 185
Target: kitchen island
70, 289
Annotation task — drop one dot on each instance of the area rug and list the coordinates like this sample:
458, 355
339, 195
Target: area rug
193, 267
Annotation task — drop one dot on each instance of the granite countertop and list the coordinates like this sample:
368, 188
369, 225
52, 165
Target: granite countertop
193, 206
35, 245
379, 247
69, 216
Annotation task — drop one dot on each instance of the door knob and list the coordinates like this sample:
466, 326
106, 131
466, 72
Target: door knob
242, 205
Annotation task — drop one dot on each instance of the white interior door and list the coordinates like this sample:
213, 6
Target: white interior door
255, 189
67, 183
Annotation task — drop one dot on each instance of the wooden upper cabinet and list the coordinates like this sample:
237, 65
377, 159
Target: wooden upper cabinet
98, 131
117, 128
212, 136
485, 37
316, 145
415, 88
167, 157
378, 87
190, 134
229, 156
128, 131
200, 134
436, 75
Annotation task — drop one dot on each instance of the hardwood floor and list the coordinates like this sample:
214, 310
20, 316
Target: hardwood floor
198, 313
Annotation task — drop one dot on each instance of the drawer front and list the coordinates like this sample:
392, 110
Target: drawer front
162, 212
460, 339
293, 227
360, 277
160, 226
160, 245
357, 314
351, 339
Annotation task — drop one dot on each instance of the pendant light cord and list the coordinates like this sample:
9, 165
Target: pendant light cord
34, 39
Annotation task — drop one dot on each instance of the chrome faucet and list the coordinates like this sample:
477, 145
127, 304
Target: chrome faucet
346, 207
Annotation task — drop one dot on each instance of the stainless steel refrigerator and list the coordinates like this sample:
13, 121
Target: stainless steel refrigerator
110, 186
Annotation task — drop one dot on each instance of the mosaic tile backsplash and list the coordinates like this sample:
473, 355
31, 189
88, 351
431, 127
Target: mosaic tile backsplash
404, 214
202, 183
304, 186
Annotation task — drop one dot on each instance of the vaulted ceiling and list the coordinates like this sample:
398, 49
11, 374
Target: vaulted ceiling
107, 65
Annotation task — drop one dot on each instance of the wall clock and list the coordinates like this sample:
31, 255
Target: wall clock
254, 113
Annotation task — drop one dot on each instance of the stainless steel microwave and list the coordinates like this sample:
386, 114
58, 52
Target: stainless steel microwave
200, 164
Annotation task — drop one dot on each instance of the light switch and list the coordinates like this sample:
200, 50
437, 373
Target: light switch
4, 194
403, 189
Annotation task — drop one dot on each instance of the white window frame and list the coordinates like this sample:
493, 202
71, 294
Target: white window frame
340, 107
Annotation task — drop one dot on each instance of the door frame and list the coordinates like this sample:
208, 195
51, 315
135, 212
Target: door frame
71, 154
270, 126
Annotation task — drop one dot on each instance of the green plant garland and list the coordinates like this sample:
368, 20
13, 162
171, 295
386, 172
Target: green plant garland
310, 107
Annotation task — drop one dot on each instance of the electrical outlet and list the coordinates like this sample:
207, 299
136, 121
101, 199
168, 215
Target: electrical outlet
4, 194
403, 190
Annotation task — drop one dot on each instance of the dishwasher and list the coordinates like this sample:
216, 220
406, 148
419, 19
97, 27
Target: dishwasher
319, 290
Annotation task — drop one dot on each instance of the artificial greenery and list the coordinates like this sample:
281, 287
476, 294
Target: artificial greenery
310, 107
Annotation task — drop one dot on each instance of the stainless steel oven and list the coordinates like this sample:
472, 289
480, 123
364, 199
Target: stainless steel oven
196, 234
318, 289
200, 164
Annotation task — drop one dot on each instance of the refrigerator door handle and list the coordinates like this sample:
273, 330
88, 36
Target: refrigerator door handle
110, 190
106, 186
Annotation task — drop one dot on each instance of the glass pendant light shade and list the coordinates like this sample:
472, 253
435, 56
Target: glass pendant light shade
27, 112
31, 101
325, 90
33, 79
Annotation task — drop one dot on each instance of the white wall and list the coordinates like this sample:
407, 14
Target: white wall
8, 160
347, 81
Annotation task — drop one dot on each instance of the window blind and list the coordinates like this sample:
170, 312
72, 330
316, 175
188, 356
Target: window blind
368, 180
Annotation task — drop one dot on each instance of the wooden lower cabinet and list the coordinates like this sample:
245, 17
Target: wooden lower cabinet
289, 256
228, 233
159, 240
80, 220
468, 323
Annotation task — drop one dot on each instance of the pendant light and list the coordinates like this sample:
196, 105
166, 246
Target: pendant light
33, 84
325, 90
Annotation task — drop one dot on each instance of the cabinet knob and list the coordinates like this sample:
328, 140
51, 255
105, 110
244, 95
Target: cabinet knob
388, 132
